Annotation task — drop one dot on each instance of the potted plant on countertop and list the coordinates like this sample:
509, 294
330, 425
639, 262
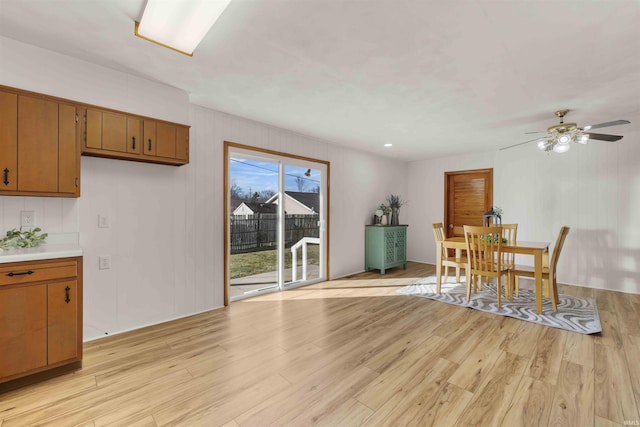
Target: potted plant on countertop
22, 239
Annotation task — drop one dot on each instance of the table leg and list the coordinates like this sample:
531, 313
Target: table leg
458, 256
438, 267
537, 264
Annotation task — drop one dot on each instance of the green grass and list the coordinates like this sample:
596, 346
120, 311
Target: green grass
248, 264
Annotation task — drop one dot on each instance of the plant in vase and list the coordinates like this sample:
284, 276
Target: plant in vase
395, 203
386, 210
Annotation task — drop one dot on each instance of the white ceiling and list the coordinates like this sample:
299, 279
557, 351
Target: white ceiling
432, 77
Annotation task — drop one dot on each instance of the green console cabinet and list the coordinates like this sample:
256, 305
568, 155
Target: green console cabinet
385, 247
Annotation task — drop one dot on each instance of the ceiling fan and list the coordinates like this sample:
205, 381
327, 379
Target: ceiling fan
559, 137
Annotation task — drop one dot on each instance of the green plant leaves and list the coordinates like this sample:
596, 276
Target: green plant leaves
18, 239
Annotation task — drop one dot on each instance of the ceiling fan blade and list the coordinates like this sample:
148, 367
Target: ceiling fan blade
519, 143
607, 124
531, 133
604, 137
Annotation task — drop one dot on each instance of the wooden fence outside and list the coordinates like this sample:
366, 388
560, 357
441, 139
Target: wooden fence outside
258, 232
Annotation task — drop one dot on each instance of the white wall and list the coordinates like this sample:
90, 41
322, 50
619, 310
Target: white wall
594, 189
166, 234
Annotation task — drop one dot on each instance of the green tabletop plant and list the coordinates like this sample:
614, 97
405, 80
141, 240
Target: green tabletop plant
18, 239
490, 238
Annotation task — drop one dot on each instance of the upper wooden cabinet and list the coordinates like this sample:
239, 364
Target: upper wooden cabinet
8, 141
39, 149
42, 138
128, 137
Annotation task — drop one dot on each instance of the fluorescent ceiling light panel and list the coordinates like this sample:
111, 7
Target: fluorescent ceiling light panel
179, 24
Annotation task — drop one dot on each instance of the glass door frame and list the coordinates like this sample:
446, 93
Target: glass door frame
284, 159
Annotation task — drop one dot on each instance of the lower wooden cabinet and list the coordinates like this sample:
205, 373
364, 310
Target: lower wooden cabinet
23, 337
40, 316
385, 246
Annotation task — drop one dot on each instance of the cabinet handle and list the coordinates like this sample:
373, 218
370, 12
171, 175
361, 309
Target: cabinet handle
149, 144
6, 176
133, 144
66, 291
24, 273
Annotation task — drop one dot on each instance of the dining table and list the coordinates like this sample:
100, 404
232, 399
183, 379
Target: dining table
539, 251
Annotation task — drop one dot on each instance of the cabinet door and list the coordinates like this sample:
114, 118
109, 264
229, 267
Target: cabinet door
389, 246
68, 154
182, 143
401, 244
8, 141
93, 128
114, 132
166, 137
62, 321
149, 131
37, 145
134, 135
23, 335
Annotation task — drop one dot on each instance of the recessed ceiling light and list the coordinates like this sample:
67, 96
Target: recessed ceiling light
388, 145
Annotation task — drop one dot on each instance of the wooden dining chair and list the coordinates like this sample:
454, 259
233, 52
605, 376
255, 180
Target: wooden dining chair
548, 271
484, 252
509, 236
447, 261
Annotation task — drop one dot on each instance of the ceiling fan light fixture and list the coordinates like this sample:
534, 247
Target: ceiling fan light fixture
561, 148
178, 25
559, 137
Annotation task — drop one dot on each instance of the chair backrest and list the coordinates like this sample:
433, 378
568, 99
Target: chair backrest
509, 233
438, 233
484, 248
557, 249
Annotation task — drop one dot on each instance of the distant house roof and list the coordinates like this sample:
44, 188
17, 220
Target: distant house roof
235, 203
252, 208
268, 208
310, 200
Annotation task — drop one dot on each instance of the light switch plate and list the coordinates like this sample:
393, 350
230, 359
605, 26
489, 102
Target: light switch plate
103, 221
104, 262
27, 219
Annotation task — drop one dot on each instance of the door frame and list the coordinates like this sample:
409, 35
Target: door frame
489, 194
229, 146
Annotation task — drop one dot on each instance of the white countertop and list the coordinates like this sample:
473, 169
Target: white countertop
59, 245
41, 252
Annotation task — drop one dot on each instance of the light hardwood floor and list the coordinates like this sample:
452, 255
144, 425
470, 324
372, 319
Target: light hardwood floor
350, 352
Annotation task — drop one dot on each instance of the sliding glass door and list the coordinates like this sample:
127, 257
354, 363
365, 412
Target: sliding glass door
302, 225
276, 232
253, 225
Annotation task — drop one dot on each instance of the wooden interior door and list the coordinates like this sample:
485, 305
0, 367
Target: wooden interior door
468, 195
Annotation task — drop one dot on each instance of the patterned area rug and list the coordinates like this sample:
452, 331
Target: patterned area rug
574, 313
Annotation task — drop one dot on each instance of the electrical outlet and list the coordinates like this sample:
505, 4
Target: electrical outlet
104, 262
27, 219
